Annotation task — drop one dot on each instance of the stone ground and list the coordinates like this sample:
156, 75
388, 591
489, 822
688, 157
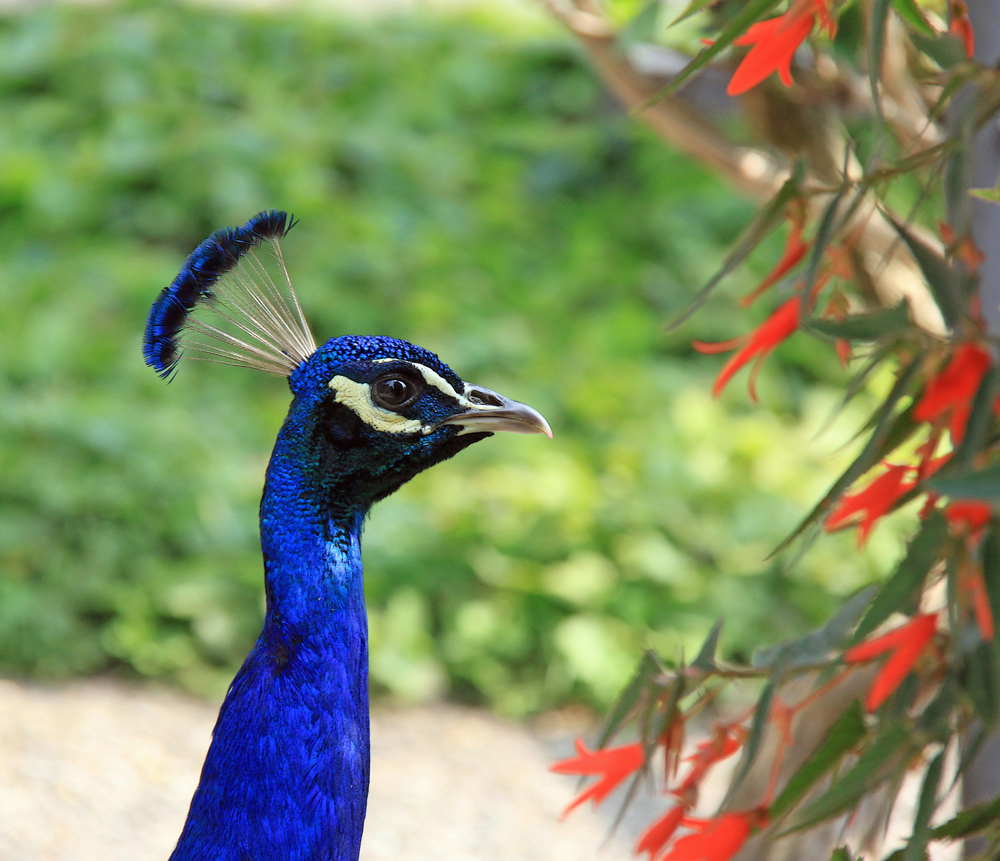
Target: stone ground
100, 771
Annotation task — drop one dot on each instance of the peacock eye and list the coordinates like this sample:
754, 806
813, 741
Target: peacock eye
394, 392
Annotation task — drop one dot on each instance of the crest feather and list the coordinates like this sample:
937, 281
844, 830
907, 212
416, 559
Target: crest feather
259, 322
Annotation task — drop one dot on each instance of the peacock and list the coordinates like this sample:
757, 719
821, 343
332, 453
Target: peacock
286, 775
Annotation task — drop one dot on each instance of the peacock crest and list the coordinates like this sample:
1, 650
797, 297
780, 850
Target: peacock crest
233, 303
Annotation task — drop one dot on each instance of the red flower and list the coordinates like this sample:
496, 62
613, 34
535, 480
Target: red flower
961, 26
659, 833
906, 644
717, 839
872, 503
775, 42
949, 394
967, 517
760, 343
615, 764
795, 250
723, 743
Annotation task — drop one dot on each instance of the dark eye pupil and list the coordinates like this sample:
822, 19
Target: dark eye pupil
392, 392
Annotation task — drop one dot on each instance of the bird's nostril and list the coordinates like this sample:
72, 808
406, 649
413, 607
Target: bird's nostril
484, 398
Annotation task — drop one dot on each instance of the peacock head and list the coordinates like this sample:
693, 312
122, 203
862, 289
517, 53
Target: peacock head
368, 411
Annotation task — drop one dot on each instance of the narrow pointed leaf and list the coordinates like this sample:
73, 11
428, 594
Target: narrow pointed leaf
761, 714
917, 844
629, 697
748, 14
970, 821
865, 327
977, 428
877, 764
844, 735
910, 12
944, 49
884, 422
907, 580
816, 646
828, 224
692, 8
706, 657
876, 51
990, 550
940, 277
991, 195
981, 683
642, 27
763, 223
982, 484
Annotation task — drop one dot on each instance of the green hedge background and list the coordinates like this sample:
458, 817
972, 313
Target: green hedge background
460, 182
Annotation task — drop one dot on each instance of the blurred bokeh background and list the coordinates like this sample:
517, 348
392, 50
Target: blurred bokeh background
463, 181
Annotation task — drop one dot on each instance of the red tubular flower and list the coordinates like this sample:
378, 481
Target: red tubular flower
795, 250
904, 645
717, 839
614, 764
961, 26
948, 396
968, 517
725, 741
659, 833
774, 44
872, 503
760, 343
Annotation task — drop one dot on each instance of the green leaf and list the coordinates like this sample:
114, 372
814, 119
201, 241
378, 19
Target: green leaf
990, 554
817, 645
842, 853
748, 14
761, 713
865, 327
970, 821
706, 657
977, 428
883, 758
908, 578
911, 13
989, 194
940, 276
982, 484
876, 51
979, 678
824, 233
945, 49
881, 442
763, 223
917, 844
642, 27
844, 735
692, 8
648, 667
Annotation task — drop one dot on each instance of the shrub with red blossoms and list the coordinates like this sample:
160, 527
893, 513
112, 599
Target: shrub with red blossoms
854, 166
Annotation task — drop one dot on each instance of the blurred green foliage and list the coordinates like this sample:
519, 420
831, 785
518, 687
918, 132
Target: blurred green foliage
458, 185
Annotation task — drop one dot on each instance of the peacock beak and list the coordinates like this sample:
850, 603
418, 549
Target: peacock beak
491, 412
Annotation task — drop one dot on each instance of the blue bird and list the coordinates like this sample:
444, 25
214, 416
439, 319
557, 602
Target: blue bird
286, 776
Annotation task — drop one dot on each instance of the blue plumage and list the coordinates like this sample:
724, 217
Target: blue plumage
286, 776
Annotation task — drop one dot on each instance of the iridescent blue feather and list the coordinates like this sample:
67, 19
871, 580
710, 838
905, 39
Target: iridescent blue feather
224, 275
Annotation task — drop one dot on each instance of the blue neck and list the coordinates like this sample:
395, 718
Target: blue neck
286, 777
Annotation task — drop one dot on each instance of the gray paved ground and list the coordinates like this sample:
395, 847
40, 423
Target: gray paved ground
97, 771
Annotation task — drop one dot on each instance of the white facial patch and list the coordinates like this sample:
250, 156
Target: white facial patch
358, 398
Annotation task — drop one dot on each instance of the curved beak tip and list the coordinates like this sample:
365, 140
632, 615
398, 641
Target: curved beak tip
501, 414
